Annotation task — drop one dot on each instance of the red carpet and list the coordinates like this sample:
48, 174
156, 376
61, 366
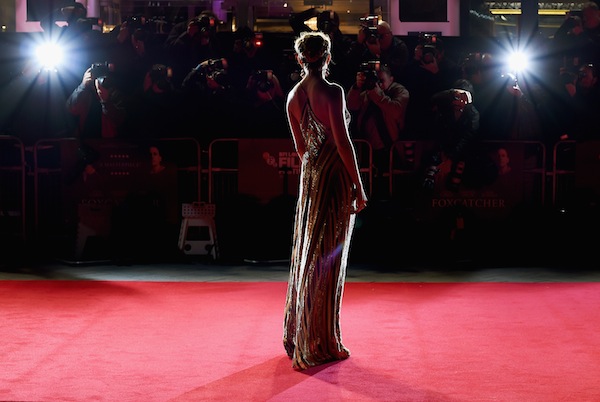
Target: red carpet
148, 341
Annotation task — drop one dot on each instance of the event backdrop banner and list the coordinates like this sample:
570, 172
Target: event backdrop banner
492, 185
268, 168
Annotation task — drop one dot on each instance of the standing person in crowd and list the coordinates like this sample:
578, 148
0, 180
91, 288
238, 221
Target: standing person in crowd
576, 105
210, 96
98, 108
379, 104
78, 36
454, 131
379, 43
577, 40
331, 194
97, 104
449, 69
422, 79
133, 52
247, 55
506, 113
266, 106
155, 108
190, 43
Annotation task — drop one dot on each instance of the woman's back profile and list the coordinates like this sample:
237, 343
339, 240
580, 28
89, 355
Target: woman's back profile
331, 193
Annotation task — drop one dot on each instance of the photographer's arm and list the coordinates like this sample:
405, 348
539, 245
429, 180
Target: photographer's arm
113, 104
395, 103
79, 100
354, 99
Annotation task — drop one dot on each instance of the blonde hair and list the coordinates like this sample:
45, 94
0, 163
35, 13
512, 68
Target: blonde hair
313, 49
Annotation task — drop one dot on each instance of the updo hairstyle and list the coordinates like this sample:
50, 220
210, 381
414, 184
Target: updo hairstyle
313, 49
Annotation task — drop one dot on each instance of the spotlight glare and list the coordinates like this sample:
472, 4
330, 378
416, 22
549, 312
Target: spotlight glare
49, 55
517, 62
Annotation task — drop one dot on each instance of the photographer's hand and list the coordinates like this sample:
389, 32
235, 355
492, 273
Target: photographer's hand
361, 36
192, 28
123, 33
432, 67
88, 79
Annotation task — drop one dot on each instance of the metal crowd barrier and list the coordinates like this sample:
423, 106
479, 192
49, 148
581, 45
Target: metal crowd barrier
63, 189
12, 188
563, 172
263, 168
274, 161
576, 182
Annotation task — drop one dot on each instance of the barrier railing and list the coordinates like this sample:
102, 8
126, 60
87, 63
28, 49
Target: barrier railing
234, 164
575, 179
12, 188
72, 178
263, 169
563, 172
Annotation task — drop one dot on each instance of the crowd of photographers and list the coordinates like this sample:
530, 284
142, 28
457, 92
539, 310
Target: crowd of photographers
190, 82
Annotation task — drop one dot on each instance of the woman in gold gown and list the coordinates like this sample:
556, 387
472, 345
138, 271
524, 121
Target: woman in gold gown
331, 192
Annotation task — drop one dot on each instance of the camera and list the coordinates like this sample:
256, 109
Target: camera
100, 70
429, 54
215, 69
328, 21
573, 19
369, 27
255, 41
135, 20
370, 69
206, 23
263, 80
462, 95
211, 65
429, 43
428, 39
87, 24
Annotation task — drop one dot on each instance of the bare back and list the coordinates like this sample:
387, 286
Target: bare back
327, 102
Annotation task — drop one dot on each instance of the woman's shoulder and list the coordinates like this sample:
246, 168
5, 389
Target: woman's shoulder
334, 88
292, 96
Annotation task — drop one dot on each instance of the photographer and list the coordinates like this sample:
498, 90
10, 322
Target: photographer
506, 112
134, 50
266, 107
454, 131
575, 106
78, 36
155, 107
210, 96
375, 41
248, 54
379, 105
97, 104
423, 78
192, 42
98, 109
577, 40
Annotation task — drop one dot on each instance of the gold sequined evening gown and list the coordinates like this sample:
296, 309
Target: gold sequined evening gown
321, 240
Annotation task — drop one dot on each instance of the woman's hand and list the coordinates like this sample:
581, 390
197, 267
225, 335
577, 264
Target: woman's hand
360, 200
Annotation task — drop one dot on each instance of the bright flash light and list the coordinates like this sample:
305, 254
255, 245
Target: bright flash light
49, 55
517, 62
